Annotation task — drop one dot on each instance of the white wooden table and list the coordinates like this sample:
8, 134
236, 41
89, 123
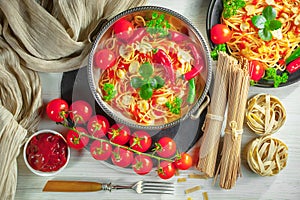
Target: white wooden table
82, 166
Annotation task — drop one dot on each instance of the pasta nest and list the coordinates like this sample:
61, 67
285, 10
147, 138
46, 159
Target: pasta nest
265, 114
267, 156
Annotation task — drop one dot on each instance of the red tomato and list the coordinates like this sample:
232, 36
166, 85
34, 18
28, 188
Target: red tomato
142, 164
220, 34
166, 147
75, 140
166, 170
123, 29
57, 110
140, 141
119, 134
98, 126
121, 157
80, 111
100, 150
184, 161
256, 70
104, 59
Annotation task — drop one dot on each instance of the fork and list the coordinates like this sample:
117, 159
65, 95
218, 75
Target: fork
141, 187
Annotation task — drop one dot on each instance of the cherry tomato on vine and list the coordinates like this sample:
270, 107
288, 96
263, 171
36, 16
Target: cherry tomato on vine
119, 134
256, 70
57, 110
104, 59
140, 141
123, 29
166, 147
80, 111
184, 161
98, 126
142, 164
220, 34
166, 170
100, 150
121, 157
75, 140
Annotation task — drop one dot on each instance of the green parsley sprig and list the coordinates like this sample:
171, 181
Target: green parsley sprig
230, 7
271, 74
266, 23
110, 91
175, 105
215, 52
158, 25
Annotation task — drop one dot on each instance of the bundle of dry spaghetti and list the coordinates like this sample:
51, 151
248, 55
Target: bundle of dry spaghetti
229, 166
214, 118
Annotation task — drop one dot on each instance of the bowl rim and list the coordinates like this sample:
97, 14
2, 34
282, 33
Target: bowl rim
199, 36
41, 173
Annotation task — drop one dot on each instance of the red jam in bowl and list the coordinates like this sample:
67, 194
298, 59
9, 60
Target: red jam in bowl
47, 152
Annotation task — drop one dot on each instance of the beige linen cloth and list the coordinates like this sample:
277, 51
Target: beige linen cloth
39, 36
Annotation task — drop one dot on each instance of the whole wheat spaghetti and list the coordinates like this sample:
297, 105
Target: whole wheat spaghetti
229, 167
214, 118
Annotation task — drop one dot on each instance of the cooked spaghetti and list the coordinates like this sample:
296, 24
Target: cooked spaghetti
246, 41
136, 70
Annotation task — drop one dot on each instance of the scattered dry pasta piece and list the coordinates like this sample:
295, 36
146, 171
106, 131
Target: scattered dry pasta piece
265, 114
198, 176
180, 180
193, 189
205, 195
267, 156
189, 198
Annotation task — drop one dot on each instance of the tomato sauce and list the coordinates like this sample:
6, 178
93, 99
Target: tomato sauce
47, 152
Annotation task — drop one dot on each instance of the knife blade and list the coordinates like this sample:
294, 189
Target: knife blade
71, 186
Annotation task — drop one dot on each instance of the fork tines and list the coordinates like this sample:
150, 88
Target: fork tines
155, 187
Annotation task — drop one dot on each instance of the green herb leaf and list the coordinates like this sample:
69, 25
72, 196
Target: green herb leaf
110, 91
153, 83
160, 82
146, 70
259, 21
146, 92
274, 25
136, 82
265, 34
175, 105
271, 74
215, 52
269, 13
158, 25
230, 7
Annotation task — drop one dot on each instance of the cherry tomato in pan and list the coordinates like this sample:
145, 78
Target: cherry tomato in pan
140, 141
57, 110
119, 134
166, 170
75, 140
184, 161
98, 126
80, 111
166, 147
220, 34
100, 150
142, 164
104, 59
256, 70
121, 157
123, 29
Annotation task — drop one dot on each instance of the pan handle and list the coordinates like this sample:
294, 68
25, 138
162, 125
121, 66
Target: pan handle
196, 115
93, 34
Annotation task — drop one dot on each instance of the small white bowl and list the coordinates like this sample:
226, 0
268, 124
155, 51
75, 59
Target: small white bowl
42, 173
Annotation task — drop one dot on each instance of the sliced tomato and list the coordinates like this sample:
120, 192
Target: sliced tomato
220, 34
256, 70
104, 59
